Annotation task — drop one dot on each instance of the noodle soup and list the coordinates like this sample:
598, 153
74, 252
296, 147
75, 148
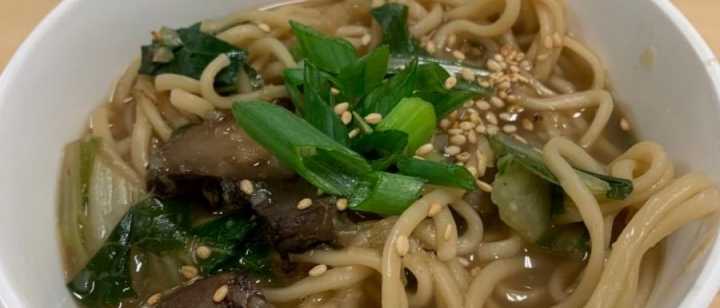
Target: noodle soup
349, 153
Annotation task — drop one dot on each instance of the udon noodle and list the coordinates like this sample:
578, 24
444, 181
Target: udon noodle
442, 251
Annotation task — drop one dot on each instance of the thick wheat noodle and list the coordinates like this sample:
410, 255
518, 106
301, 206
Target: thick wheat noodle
393, 292
100, 128
598, 72
348, 256
140, 141
501, 249
556, 154
501, 25
161, 128
273, 71
648, 273
415, 11
446, 288
271, 45
125, 84
428, 22
459, 273
240, 35
190, 103
446, 235
561, 278
485, 281
476, 10
334, 279
555, 16
271, 18
531, 297
167, 82
602, 145
417, 264
207, 81
352, 31
561, 85
122, 146
346, 298
591, 98
654, 221
471, 238
538, 53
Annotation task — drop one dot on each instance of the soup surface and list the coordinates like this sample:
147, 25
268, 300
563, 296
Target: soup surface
360, 153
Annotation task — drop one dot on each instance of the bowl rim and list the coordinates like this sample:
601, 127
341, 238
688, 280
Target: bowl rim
702, 291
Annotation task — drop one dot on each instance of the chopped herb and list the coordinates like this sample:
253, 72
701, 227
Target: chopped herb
385, 97
234, 244
328, 53
386, 193
361, 77
439, 173
392, 18
317, 108
413, 116
383, 148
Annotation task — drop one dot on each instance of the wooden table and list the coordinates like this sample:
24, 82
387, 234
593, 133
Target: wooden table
17, 19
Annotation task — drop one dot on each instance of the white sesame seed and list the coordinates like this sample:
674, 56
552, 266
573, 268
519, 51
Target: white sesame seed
434, 209
467, 125
548, 42
480, 129
402, 245
353, 133
424, 149
624, 124
188, 271
457, 54
497, 102
484, 186
504, 85
448, 232
452, 39
334, 91
458, 140
475, 118
543, 56
558, 39
494, 66
464, 262
467, 74
450, 82
377, 3
452, 150
220, 294
513, 97
418, 157
505, 116
503, 93
203, 252
318, 270
472, 171
430, 47
373, 118
484, 83
365, 39
492, 130
247, 187
490, 116
444, 123
346, 117
527, 124
521, 139
472, 137
304, 204
463, 157
468, 103
509, 128
154, 299
263, 26
498, 57
341, 108
482, 105
455, 131
341, 204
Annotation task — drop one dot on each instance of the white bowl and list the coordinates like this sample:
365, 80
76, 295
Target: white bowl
658, 65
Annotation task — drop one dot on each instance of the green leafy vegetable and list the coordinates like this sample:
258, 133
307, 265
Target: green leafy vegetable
317, 108
233, 246
431, 87
153, 225
384, 98
295, 142
438, 173
413, 116
361, 77
601, 185
382, 147
522, 198
386, 193
572, 240
191, 51
392, 18
294, 80
328, 53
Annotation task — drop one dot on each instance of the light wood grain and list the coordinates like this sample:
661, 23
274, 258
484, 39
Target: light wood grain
18, 17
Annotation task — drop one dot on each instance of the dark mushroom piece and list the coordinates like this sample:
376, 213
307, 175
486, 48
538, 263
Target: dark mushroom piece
241, 293
203, 161
288, 227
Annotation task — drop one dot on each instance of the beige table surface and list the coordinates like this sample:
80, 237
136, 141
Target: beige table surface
18, 17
